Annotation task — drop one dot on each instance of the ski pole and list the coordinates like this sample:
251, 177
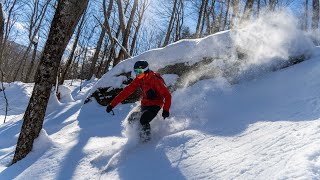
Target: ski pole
112, 112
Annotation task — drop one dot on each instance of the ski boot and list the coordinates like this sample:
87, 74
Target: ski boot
145, 133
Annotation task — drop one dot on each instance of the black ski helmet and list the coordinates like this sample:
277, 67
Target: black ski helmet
141, 64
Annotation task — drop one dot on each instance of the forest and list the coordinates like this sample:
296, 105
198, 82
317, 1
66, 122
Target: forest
46, 42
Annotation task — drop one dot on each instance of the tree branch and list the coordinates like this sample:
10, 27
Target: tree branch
4, 94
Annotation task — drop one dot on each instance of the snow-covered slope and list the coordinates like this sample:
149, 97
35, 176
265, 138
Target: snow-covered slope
267, 127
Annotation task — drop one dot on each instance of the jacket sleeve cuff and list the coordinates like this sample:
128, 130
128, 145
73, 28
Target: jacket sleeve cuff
166, 109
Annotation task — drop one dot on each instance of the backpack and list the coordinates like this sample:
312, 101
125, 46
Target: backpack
156, 74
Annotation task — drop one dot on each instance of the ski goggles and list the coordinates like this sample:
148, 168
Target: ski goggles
139, 71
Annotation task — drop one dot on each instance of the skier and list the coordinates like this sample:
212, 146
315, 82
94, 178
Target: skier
154, 95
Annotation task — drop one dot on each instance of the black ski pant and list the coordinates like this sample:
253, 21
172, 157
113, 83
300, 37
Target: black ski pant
147, 115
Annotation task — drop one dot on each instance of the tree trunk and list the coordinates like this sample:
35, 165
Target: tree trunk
66, 17
167, 38
97, 52
74, 46
235, 12
105, 52
82, 67
6, 30
92, 70
258, 11
226, 16
125, 37
121, 17
212, 12
306, 16
1, 31
208, 23
248, 10
177, 20
16, 73
272, 5
34, 26
29, 72
199, 18
113, 49
315, 14
135, 36
204, 16
220, 19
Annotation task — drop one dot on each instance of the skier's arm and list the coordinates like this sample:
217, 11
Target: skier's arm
163, 90
127, 91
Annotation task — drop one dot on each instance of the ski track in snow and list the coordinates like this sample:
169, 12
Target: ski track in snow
267, 150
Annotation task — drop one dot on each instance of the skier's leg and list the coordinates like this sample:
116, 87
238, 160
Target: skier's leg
148, 114
134, 115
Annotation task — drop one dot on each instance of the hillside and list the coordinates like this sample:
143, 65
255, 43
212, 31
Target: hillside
265, 125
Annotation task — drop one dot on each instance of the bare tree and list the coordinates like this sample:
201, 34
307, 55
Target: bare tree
219, 25
272, 5
248, 9
210, 12
101, 37
258, 7
141, 12
306, 15
66, 17
315, 14
9, 23
29, 74
235, 12
35, 21
4, 94
125, 30
212, 25
170, 25
200, 15
1, 71
179, 20
74, 46
226, 16
204, 16
1, 29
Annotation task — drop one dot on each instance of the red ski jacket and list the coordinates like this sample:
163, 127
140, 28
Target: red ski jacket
154, 91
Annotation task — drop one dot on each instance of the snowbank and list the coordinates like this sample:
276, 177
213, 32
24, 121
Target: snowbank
18, 95
43, 141
269, 43
65, 94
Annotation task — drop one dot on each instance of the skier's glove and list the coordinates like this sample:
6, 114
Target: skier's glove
165, 114
109, 108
